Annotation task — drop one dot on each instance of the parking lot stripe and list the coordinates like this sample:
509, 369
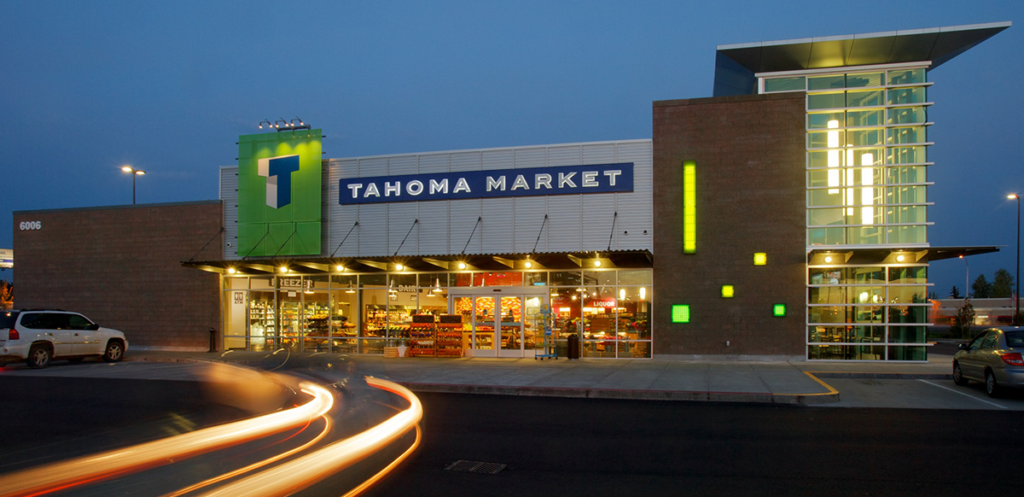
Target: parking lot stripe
964, 394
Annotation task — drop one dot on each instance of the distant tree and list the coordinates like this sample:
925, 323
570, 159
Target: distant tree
933, 296
981, 288
955, 293
1002, 285
963, 320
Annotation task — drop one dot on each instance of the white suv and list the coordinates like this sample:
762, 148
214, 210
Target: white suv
37, 336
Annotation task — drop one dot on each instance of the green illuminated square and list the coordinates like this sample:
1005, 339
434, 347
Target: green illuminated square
680, 313
727, 292
760, 258
779, 310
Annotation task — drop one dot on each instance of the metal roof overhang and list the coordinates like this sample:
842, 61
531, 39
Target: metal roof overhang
888, 255
432, 263
737, 64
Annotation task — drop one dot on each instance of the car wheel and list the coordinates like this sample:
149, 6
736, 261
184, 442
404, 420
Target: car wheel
114, 352
38, 357
958, 375
992, 387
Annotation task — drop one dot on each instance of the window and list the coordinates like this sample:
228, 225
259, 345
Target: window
990, 340
77, 322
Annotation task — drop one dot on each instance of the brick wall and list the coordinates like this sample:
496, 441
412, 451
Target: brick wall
749, 152
121, 266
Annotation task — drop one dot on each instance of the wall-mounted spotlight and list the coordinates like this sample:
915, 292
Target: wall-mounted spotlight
267, 121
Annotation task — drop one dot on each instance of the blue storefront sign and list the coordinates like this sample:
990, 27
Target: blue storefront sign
559, 180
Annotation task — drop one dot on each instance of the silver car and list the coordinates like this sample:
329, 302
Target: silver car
993, 357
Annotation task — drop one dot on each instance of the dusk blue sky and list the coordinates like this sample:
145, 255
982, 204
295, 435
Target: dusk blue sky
86, 87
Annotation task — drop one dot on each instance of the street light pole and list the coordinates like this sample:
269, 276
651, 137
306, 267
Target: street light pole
134, 172
1016, 300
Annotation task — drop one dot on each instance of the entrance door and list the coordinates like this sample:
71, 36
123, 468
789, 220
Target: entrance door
484, 309
511, 323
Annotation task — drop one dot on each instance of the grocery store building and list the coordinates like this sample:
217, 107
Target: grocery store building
784, 217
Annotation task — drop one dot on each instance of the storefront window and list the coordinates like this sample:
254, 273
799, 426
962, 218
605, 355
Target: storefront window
635, 277
373, 294
535, 278
343, 315
315, 314
433, 294
599, 315
565, 278
402, 305
236, 283
235, 314
462, 279
634, 305
262, 313
565, 308
505, 278
600, 278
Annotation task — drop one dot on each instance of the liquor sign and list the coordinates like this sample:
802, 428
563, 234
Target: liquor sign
559, 180
609, 302
279, 208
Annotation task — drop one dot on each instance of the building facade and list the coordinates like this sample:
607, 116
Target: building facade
784, 217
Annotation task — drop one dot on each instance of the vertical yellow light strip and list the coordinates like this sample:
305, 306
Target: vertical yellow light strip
689, 207
833, 157
867, 197
849, 201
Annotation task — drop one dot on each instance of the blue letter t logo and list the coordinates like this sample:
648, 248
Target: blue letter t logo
278, 171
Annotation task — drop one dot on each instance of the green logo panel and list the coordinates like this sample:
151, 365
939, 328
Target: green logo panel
279, 204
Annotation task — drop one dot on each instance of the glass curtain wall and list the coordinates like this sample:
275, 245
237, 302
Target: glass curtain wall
866, 170
867, 313
867, 146
363, 313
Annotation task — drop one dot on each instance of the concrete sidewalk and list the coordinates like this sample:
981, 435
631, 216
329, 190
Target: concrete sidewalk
716, 381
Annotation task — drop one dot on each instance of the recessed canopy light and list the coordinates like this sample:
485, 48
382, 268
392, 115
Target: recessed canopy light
339, 267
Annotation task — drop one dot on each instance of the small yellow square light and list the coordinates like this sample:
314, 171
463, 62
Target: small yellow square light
727, 291
760, 258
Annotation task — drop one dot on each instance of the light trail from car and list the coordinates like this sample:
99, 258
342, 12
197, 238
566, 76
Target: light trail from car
311, 468
88, 469
256, 465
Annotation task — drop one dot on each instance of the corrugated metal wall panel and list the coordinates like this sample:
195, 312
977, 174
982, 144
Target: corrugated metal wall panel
465, 161
529, 218
434, 163
564, 223
636, 208
433, 229
598, 214
373, 230
229, 199
405, 164
562, 155
498, 226
373, 166
401, 218
531, 157
497, 159
599, 154
325, 207
462, 215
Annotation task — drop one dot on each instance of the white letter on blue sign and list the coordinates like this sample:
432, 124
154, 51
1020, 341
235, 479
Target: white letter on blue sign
414, 187
564, 179
611, 175
520, 182
439, 187
355, 189
589, 178
371, 190
462, 186
499, 183
392, 188
542, 180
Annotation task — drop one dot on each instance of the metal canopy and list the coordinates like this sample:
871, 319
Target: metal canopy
737, 64
888, 255
438, 263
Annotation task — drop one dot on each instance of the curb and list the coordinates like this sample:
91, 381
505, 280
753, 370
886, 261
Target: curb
883, 376
624, 394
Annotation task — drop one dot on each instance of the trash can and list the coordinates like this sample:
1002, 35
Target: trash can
574, 346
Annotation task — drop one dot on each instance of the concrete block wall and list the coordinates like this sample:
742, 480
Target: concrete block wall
749, 153
121, 266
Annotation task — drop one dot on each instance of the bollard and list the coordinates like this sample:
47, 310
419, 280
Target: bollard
213, 340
